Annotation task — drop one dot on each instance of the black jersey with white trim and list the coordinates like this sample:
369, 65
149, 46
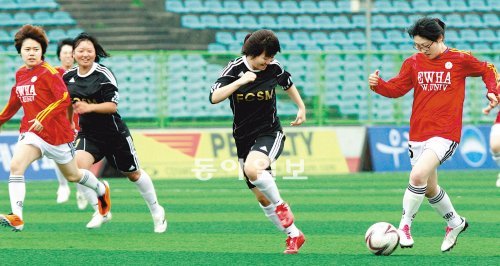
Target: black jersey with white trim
97, 86
253, 104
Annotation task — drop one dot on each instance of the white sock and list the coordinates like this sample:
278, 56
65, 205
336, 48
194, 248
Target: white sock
60, 177
17, 193
413, 197
89, 194
89, 180
441, 203
496, 157
292, 231
265, 183
147, 190
270, 213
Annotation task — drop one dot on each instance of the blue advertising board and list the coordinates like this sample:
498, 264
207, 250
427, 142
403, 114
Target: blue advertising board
389, 149
42, 169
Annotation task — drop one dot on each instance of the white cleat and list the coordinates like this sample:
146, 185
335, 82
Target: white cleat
63, 194
97, 220
160, 222
450, 239
81, 201
498, 180
405, 239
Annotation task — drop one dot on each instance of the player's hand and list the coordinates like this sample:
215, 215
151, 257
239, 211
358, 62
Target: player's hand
373, 79
248, 77
301, 118
493, 103
37, 126
81, 107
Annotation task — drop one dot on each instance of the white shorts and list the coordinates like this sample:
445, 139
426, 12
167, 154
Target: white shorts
61, 154
443, 148
495, 130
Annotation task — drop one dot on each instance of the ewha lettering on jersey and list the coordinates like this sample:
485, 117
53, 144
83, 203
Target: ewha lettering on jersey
434, 80
26, 93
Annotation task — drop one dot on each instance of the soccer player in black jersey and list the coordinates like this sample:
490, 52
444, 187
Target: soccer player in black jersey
94, 93
249, 82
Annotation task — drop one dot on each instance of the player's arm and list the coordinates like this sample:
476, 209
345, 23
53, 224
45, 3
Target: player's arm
110, 106
293, 93
395, 87
219, 92
475, 68
11, 108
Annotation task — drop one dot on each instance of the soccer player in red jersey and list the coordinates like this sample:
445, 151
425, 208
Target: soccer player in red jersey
495, 136
45, 128
437, 75
249, 83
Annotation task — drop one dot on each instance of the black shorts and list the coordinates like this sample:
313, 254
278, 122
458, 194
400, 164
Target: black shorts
271, 144
119, 150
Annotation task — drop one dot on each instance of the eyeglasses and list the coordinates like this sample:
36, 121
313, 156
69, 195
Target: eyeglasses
422, 47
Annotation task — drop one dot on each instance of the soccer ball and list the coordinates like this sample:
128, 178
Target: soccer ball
382, 239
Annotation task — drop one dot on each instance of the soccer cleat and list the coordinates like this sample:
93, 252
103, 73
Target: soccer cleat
498, 180
284, 214
81, 201
13, 221
63, 194
405, 239
160, 222
450, 238
104, 201
97, 220
293, 244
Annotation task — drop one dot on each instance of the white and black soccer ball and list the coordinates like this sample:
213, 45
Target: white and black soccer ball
382, 238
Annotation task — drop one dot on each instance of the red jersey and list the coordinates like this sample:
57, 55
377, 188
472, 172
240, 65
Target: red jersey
439, 91
43, 95
76, 117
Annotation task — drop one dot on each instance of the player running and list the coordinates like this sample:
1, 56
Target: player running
94, 92
495, 136
65, 56
437, 75
45, 128
249, 82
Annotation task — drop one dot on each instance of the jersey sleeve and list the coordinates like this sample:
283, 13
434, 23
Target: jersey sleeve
487, 71
60, 94
398, 85
226, 77
13, 105
110, 93
284, 77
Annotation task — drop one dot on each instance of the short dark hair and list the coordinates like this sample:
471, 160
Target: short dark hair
31, 32
261, 41
429, 28
99, 51
61, 43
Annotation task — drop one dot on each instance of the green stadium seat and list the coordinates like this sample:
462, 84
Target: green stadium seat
286, 22
491, 20
324, 22
43, 18
473, 20
402, 6
194, 6
210, 21
291, 7
441, 6
8, 5
63, 18
342, 22
271, 6
320, 37
5, 37
328, 7
339, 37
487, 35
382, 6
72, 33
480, 5
233, 7
249, 22
481, 46
229, 22
309, 7
175, 6
359, 21
381, 22
356, 37
307, 22
253, 7
344, 6
399, 21
268, 22
224, 37
422, 6
22, 18
215, 6
56, 34
454, 19
459, 6
493, 4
